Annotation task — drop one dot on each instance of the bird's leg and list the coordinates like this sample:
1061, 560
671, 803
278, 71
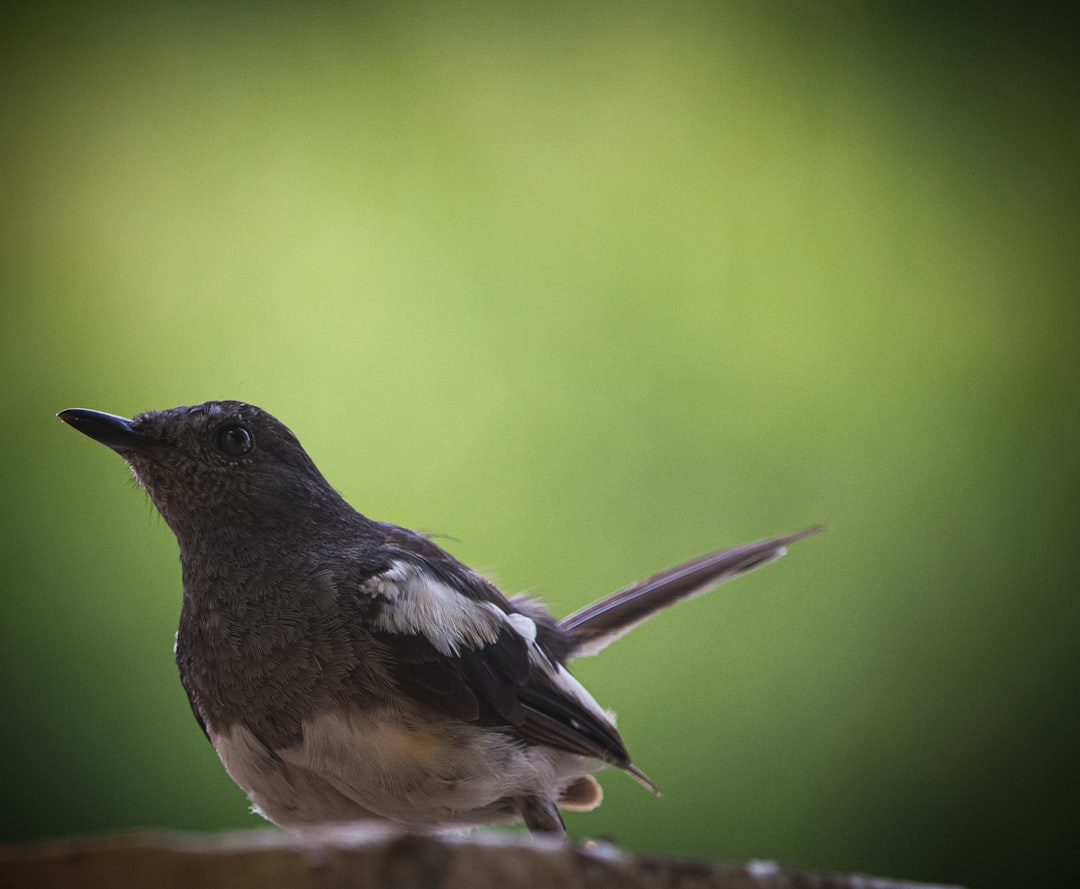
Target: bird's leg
541, 815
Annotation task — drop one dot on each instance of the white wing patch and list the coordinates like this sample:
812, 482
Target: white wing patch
523, 625
566, 683
419, 603
422, 604
562, 678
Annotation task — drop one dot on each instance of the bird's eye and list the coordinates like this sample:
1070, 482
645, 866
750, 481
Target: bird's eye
234, 440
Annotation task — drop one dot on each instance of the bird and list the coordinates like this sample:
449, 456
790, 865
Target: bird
346, 669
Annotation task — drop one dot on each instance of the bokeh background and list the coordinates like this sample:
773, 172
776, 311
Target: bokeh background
592, 288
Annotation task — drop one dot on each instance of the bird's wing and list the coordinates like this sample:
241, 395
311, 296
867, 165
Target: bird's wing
454, 643
595, 626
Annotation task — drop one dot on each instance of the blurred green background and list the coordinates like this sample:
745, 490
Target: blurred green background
592, 288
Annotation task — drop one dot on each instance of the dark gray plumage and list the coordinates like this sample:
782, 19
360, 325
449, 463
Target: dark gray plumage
345, 668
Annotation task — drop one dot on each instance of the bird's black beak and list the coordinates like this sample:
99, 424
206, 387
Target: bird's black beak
118, 433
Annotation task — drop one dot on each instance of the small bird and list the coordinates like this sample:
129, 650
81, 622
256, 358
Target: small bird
347, 669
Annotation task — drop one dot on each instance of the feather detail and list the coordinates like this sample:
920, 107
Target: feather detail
596, 626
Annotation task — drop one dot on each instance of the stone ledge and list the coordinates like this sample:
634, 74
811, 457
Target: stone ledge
365, 857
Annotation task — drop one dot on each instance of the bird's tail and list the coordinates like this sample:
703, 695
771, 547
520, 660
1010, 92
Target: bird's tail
596, 626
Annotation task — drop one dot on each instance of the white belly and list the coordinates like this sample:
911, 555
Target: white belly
354, 765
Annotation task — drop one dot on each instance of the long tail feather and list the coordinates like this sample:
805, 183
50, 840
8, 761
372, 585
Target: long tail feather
596, 626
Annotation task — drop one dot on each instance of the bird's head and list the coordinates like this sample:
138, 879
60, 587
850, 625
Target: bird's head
219, 465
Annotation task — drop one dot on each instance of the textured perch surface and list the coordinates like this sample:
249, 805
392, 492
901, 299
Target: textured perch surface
365, 858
